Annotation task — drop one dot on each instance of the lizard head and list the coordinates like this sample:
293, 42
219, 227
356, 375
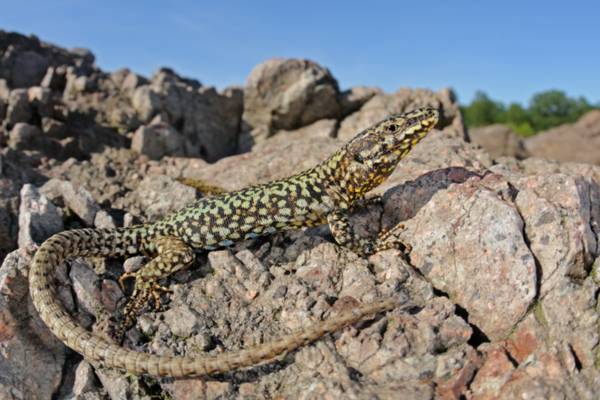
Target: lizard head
373, 154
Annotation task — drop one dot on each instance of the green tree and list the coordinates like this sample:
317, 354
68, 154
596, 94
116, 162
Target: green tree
546, 110
482, 110
554, 107
518, 119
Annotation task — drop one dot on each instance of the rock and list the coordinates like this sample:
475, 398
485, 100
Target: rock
558, 215
24, 136
354, 98
287, 94
9, 212
578, 142
323, 128
146, 102
86, 286
158, 140
85, 380
104, 220
55, 78
268, 162
38, 218
2, 109
496, 261
25, 59
29, 68
381, 106
79, 200
499, 141
31, 365
18, 109
77, 84
209, 120
161, 194
54, 128
40, 100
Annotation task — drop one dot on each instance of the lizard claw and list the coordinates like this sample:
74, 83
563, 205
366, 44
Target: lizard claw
125, 276
144, 290
390, 239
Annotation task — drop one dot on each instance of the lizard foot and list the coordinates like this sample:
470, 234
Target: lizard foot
390, 239
144, 290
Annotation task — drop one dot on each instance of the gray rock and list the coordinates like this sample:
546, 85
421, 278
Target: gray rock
287, 94
324, 128
38, 218
116, 384
578, 142
499, 141
209, 120
158, 140
354, 98
85, 380
104, 220
4, 89
556, 209
467, 234
381, 106
55, 78
28, 69
86, 286
31, 365
78, 199
77, 84
146, 101
40, 100
55, 129
151, 195
24, 136
18, 109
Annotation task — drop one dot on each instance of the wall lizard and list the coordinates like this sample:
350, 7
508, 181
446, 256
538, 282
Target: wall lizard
326, 193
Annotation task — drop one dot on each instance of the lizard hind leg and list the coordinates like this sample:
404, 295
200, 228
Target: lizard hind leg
172, 255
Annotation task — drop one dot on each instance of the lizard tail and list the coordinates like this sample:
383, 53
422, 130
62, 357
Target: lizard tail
119, 242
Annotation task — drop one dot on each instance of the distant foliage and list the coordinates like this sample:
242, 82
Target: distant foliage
546, 110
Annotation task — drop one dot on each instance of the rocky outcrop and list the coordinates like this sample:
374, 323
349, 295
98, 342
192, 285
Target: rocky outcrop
499, 141
382, 105
501, 281
286, 94
578, 142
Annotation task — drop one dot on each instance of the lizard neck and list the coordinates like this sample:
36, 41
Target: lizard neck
347, 180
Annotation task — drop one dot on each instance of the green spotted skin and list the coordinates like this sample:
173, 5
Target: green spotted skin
326, 193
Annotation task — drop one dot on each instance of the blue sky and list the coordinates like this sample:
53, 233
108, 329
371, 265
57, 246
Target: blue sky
510, 49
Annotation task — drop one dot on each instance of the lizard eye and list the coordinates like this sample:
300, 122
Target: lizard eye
358, 158
392, 128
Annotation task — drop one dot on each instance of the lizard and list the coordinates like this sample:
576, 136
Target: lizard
326, 193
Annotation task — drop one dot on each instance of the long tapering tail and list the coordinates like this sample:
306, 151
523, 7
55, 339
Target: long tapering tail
119, 242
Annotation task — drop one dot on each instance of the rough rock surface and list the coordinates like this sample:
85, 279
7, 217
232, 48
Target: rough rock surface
286, 94
578, 142
499, 141
501, 281
382, 105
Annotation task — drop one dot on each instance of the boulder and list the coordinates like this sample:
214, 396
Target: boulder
382, 105
19, 109
578, 142
287, 94
498, 140
208, 120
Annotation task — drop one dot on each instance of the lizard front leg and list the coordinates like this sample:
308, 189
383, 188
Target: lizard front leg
172, 255
344, 235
